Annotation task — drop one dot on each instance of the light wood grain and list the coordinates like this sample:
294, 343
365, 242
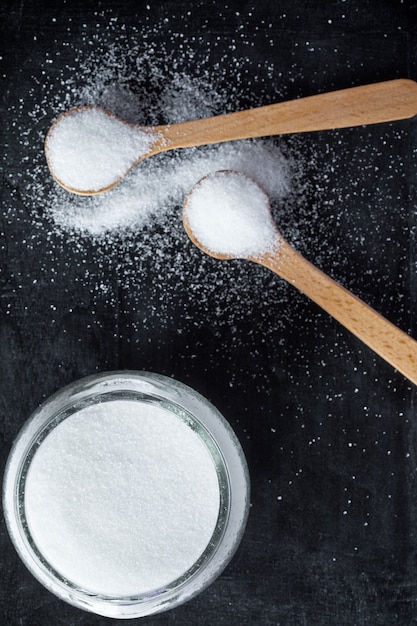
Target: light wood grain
367, 104
383, 337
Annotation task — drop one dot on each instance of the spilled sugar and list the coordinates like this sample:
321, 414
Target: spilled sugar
128, 247
157, 184
228, 214
145, 82
89, 149
121, 515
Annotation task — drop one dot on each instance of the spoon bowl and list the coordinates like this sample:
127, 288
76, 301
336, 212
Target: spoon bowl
221, 225
384, 338
89, 150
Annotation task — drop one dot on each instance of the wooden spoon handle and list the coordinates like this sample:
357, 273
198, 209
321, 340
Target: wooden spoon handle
368, 104
388, 341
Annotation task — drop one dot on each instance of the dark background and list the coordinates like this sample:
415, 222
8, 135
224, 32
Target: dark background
329, 430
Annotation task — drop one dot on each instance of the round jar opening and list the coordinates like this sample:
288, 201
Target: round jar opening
118, 494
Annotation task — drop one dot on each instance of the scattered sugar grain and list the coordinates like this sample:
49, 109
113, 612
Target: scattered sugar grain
122, 497
228, 213
147, 80
89, 149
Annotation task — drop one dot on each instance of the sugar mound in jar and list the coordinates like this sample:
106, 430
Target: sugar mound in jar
122, 497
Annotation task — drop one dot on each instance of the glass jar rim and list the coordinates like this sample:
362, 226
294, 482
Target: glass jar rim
212, 429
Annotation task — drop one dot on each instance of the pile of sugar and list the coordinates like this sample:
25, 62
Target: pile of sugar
229, 214
147, 80
161, 182
89, 149
122, 498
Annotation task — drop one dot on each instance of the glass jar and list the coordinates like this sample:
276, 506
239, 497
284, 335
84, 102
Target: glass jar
77, 404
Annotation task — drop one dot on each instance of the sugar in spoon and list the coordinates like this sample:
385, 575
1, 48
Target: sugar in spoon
89, 150
227, 215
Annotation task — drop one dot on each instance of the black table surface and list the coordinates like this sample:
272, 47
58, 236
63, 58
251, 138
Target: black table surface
329, 429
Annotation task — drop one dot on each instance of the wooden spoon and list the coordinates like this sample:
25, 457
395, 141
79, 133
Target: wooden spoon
388, 341
368, 104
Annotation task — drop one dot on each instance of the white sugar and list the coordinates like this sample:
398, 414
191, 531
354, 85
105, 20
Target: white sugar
89, 149
163, 181
229, 214
133, 234
122, 497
